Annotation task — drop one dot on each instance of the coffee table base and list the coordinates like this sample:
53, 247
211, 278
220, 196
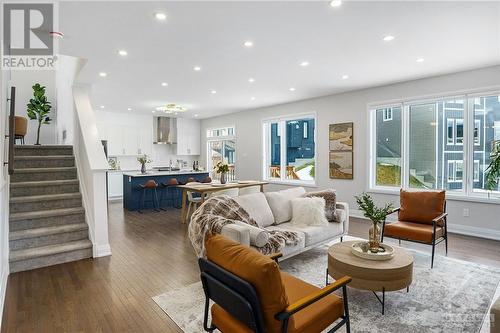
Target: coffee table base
381, 301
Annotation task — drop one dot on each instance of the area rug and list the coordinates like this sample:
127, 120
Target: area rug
452, 297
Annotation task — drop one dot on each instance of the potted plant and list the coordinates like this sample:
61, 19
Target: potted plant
222, 168
493, 169
39, 108
376, 214
144, 160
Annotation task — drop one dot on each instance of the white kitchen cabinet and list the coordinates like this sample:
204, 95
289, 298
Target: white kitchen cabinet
115, 141
188, 136
115, 184
145, 141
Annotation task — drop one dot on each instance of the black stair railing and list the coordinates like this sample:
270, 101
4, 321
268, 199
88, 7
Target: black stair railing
12, 130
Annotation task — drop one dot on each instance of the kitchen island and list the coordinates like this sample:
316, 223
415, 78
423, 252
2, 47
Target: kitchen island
132, 191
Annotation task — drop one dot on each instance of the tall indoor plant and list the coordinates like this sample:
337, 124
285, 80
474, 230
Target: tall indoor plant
376, 214
39, 108
493, 169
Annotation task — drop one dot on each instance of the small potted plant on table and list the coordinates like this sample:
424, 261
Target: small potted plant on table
223, 169
377, 215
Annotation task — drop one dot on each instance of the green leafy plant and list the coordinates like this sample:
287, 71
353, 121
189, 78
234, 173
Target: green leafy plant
370, 210
493, 169
39, 108
221, 167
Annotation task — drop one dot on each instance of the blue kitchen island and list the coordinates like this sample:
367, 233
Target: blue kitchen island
132, 191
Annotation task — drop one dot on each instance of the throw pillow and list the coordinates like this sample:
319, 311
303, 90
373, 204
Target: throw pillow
309, 211
280, 203
330, 203
257, 207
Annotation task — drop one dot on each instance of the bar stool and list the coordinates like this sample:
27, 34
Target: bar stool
149, 185
207, 179
170, 186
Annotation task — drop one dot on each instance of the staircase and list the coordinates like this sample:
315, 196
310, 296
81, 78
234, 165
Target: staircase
47, 220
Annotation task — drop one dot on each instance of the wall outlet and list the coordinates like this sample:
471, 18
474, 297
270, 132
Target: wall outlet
466, 212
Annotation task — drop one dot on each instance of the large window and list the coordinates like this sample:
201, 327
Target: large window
289, 149
221, 144
437, 144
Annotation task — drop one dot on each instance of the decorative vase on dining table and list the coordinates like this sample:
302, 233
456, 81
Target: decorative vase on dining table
223, 178
374, 237
143, 168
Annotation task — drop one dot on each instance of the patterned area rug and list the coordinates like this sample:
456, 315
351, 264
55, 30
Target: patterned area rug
452, 297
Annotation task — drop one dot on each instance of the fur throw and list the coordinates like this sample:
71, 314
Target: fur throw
218, 211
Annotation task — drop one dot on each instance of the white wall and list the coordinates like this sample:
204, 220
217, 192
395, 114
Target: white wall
23, 81
4, 192
352, 107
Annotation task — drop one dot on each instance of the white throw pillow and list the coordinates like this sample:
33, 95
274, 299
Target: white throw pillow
258, 237
280, 203
309, 211
257, 207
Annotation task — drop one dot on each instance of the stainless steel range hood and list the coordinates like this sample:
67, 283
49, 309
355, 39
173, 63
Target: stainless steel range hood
165, 130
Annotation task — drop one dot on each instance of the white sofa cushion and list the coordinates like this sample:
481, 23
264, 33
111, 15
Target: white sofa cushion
308, 211
280, 203
258, 237
257, 207
315, 234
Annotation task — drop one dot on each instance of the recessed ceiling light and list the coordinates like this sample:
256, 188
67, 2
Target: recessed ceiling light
248, 43
420, 60
388, 38
161, 16
304, 63
123, 53
197, 68
164, 84
213, 91
129, 109
103, 74
335, 3
153, 111
345, 77
292, 89
196, 115
251, 80
176, 113
102, 106
252, 98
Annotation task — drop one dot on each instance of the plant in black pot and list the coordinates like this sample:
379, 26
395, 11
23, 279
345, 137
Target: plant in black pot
39, 108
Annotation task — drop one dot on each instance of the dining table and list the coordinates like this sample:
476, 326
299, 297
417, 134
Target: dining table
208, 188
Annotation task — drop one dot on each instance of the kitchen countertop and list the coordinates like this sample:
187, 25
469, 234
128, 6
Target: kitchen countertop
160, 173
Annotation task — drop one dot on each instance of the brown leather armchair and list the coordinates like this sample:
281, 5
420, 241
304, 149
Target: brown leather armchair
252, 295
422, 218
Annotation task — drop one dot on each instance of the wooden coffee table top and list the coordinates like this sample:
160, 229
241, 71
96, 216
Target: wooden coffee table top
392, 274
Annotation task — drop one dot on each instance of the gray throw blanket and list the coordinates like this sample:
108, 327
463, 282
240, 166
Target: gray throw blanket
218, 211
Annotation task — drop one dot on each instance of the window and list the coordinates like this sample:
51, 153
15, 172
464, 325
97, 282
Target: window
221, 144
289, 146
435, 144
388, 148
477, 132
387, 114
450, 131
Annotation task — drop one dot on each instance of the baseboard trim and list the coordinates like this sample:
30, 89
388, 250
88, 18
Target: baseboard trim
101, 250
453, 228
3, 287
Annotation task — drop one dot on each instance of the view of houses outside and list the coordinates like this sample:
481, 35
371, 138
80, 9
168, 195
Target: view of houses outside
436, 143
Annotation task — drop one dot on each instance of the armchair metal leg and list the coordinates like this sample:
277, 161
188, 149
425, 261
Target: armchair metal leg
205, 318
284, 326
346, 310
433, 250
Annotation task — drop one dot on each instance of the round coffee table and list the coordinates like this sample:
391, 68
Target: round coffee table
388, 275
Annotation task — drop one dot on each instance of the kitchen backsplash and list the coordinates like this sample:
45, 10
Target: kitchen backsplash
162, 154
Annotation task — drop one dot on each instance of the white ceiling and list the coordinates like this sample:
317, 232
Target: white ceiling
450, 36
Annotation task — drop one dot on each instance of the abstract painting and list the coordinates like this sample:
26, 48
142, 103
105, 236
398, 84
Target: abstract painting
341, 165
341, 136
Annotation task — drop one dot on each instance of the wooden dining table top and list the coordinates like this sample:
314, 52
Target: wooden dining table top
209, 187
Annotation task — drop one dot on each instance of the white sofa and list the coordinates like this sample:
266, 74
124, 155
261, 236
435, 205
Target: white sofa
273, 211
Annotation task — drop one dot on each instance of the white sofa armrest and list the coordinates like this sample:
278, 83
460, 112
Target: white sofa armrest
258, 237
345, 207
236, 233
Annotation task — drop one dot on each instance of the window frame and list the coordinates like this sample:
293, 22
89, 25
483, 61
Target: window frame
210, 139
266, 142
468, 193
385, 114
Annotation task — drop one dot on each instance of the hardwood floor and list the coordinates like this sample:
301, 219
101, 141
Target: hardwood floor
151, 255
